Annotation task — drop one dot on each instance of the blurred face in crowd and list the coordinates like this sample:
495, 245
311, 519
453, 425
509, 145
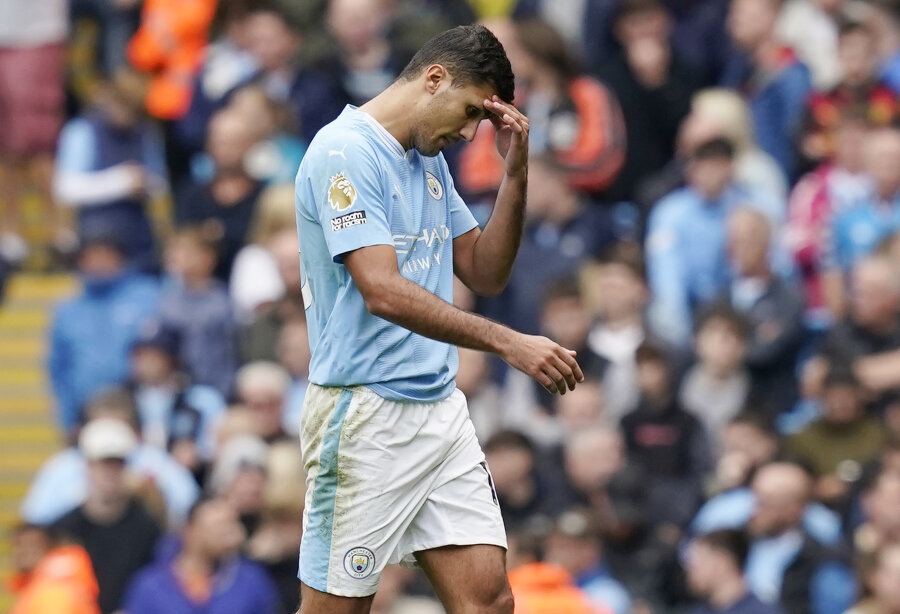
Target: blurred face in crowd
850, 144
751, 443
473, 370
886, 580
566, 321
116, 108
748, 242
246, 492
151, 365
580, 407
710, 176
215, 531
621, 293
842, 404
875, 294
574, 553
107, 478
356, 24
704, 566
547, 191
882, 503
511, 469
293, 347
882, 160
651, 24
781, 491
257, 111
270, 40
285, 249
185, 257
719, 347
751, 22
228, 140
593, 456
858, 56
653, 380
100, 260
265, 402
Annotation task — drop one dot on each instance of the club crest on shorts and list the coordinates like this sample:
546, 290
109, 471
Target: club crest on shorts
359, 563
341, 193
434, 186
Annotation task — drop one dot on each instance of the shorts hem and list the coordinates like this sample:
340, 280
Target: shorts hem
461, 541
340, 591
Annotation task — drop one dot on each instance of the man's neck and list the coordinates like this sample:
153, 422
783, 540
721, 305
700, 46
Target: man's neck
192, 563
105, 510
728, 592
392, 108
617, 323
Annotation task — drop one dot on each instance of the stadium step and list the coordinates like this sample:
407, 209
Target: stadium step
28, 431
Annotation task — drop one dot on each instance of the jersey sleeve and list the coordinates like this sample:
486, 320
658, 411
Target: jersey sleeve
350, 200
461, 219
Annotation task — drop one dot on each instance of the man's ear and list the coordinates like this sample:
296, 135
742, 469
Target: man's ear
434, 76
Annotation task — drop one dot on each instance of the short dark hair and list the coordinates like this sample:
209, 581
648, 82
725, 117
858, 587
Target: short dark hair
840, 374
648, 351
471, 54
628, 8
851, 26
731, 541
714, 149
509, 440
728, 315
565, 288
628, 255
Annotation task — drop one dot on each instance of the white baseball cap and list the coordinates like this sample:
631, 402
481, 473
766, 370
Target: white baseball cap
104, 438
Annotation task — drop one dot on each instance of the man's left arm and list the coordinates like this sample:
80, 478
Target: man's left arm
483, 259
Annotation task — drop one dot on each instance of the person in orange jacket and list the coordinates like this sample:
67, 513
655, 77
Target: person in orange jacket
52, 577
542, 588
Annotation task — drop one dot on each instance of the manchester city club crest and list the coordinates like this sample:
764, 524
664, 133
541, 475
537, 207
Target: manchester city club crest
359, 563
434, 186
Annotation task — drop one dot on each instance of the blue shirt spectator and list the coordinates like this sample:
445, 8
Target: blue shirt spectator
91, 334
687, 264
110, 161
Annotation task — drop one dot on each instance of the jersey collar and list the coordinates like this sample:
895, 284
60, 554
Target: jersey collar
381, 131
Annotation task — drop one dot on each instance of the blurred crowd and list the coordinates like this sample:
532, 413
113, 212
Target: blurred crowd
713, 223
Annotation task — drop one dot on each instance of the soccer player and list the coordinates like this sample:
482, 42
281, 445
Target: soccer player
395, 472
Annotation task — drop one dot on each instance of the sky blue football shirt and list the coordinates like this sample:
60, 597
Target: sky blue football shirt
357, 187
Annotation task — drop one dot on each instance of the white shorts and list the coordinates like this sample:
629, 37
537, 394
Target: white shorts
386, 480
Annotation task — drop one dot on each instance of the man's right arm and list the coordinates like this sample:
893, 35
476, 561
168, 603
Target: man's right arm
391, 296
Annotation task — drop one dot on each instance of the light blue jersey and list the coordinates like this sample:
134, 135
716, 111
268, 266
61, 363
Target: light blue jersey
356, 187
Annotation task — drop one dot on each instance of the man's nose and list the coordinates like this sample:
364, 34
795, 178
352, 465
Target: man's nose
468, 132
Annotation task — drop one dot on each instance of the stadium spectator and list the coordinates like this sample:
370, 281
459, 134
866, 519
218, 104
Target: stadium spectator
32, 62
262, 387
207, 574
744, 444
842, 441
785, 564
255, 281
62, 482
276, 542
718, 386
110, 163
527, 489
885, 582
565, 319
879, 501
294, 355
225, 203
51, 576
812, 29
654, 85
238, 476
869, 337
666, 441
169, 46
562, 229
575, 544
685, 246
196, 307
714, 566
575, 121
175, 414
773, 307
259, 337
817, 197
114, 527
774, 82
92, 334
856, 231
487, 408
615, 290
859, 88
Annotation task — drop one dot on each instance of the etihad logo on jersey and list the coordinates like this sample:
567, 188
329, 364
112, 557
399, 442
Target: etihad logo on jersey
341, 193
414, 265
429, 237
